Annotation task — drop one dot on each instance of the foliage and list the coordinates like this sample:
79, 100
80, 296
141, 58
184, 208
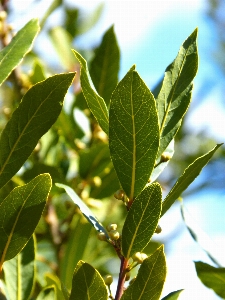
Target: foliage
55, 248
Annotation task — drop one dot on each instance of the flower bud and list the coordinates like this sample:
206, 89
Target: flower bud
111, 227
127, 276
139, 257
102, 236
114, 235
119, 194
158, 229
108, 280
165, 157
97, 181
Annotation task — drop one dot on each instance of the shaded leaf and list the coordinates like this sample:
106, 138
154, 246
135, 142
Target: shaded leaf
173, 295
150, 278
133, 133
213, 278
48, 293
189, 175
95, 102
12, 54
20, 271
175, 94
142, 220
87, 284
83, 208
37, 112
51, 280
105, 65
20, 212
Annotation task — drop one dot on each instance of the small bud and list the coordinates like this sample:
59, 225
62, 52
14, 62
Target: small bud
102, 236
119, 194
111, 227
114, 235
165, 157
127, 276
97, 181
3, 15
158, 229
108, 280
139, 257
144, 256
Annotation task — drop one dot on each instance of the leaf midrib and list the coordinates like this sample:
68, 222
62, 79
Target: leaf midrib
134, 141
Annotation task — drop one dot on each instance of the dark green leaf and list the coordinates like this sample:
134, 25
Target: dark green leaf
213, 278
20, 212
12, 54
87, 284
150, 278
37, 112
20, 271
48, 293
175, 94
189, 175
173, 296
95, 102
142, 220
133, 133
105, 65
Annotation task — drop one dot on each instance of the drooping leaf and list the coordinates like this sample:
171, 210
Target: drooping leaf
175, 94
173, 295
74, 251
83, 208
20, 212
95, 102
105, 65
150, 278
189, 175
213, 278
48, 293
20, 271
37, 112
133, 133
142, 220
87, 284
12, 54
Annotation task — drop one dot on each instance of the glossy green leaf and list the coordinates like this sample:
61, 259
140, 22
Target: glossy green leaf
37, 112
19, 273
95, 102
189, 175
48, 293
213, 278
74, 251
173, 296
12, 54
20, 212
133, 133
175, 94
105, 65
150, 278
87, 284
142, 220
83, 208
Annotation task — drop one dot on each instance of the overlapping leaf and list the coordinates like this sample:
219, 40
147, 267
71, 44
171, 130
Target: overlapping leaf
189, 175
20, 212
105, 65
150, 278
142, 220
95, 102
213, 278
37, 112
175, 94
173, 295
20, 271
133, 133
12, 54
87, 284
48, 293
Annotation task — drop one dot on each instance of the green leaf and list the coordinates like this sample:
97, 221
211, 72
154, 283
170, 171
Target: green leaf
142, 220
173, 295
87, 284
150, 278
48, 293
83, 208
95, 102
52, 279
105, 65
213, 278
54, 5
133, 133
20, 45
74, 251
37, 112
20, 271
20, 212
175, 94
189, 175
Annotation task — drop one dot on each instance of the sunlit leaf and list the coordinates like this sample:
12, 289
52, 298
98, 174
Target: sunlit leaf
173, 296
133, 133
52, 279
142, 220
87, 283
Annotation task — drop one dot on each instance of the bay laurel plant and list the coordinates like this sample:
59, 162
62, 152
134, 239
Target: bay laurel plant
132, 143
